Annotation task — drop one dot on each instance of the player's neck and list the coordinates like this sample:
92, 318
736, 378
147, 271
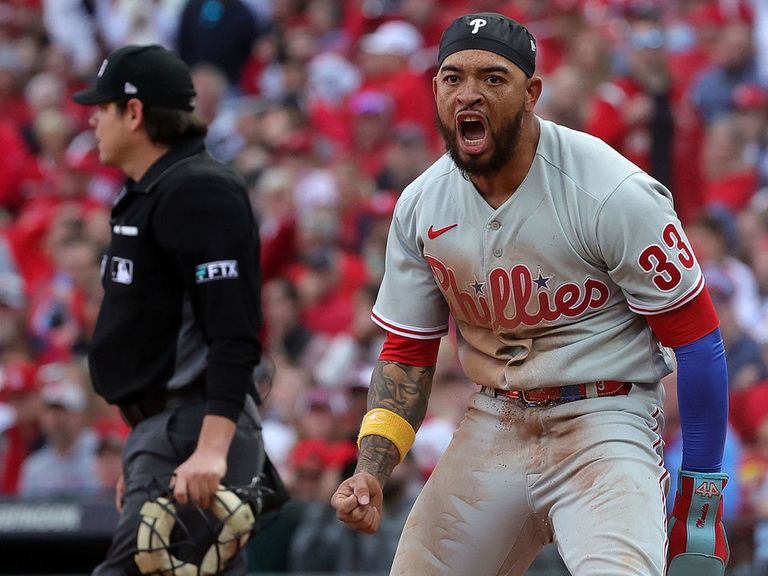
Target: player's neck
498, 188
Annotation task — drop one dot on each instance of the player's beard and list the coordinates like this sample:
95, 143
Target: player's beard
505, 140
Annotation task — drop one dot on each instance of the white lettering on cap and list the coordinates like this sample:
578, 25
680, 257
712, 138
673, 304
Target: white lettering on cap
477, 23
130, 88
533, 46
103, 67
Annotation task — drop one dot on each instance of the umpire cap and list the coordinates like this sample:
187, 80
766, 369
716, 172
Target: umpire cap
154, 75
492, 32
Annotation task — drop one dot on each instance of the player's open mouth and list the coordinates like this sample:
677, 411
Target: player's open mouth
472, 131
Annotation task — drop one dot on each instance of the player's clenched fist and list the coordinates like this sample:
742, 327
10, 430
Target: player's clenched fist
358, 501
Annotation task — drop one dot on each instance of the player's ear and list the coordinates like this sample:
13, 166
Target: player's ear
532, 93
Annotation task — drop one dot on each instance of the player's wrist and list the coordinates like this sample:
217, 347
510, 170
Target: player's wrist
389, 425
697, 539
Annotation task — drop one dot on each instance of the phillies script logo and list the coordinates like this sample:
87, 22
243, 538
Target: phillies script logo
510, 300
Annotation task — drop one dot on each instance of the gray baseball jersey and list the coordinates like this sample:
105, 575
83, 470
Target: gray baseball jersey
550, 288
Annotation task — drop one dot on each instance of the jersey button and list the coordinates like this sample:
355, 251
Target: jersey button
495, 225
497, 252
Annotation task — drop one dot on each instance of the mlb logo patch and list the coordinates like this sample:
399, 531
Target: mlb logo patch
121, 270
219, 270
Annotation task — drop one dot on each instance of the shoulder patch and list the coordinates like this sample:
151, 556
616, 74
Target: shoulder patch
218, 270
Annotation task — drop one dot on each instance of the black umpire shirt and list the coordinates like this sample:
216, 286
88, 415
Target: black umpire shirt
181, 285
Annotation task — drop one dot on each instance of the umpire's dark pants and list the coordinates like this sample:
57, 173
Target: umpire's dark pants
153, 450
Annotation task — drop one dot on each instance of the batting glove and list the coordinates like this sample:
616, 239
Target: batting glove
697, 541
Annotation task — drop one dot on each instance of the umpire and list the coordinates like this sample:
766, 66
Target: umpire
176, 340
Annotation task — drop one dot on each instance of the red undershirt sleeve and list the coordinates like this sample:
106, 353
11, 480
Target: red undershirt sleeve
686, 324
411, 351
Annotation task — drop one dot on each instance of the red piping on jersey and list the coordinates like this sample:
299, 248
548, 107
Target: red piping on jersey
409, 332
409, 350
681, 302
681, 326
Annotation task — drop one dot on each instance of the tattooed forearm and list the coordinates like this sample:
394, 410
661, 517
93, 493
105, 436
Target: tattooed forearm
403, 389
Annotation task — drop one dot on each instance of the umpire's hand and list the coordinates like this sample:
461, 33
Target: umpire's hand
198, 478
358, 501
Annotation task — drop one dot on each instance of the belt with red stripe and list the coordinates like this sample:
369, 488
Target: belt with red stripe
562, 394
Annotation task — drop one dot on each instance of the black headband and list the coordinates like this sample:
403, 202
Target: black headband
492, 32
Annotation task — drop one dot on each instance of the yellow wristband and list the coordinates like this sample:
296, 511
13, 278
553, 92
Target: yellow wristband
387, 424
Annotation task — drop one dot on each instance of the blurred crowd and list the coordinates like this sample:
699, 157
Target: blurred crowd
325, 107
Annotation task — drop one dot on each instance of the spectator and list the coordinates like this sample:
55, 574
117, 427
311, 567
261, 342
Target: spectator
327, 281
750, 102
729, 180
216, 111
19, 391
61, 18
122, 22
324, 19
759, 503
111, 433
567, 100
634, 113
356, 193
330, 80
754, 470
742, 353
354, 349
287, 337
62, 315
734, 65
759, 260
318, 415
447, 406
14, 157
384, 59
52, 132
272, 198
430, 18
221, 32
13, 107
406, 156
13, 302
590, 54
372, 117
65, 465
713, 240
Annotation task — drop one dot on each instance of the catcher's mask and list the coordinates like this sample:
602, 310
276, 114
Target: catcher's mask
169, 536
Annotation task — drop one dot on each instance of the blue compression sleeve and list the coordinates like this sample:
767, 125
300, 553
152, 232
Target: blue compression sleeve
702, 392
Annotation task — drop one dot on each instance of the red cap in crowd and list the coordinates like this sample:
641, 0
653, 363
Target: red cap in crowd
316, 454
17, 378
749, 96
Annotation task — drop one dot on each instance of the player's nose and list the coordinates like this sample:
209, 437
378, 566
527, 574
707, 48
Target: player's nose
469, 94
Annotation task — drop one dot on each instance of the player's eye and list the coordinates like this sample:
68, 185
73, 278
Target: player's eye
451, 78
493, 79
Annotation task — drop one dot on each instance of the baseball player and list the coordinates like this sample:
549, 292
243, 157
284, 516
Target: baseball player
570, 282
